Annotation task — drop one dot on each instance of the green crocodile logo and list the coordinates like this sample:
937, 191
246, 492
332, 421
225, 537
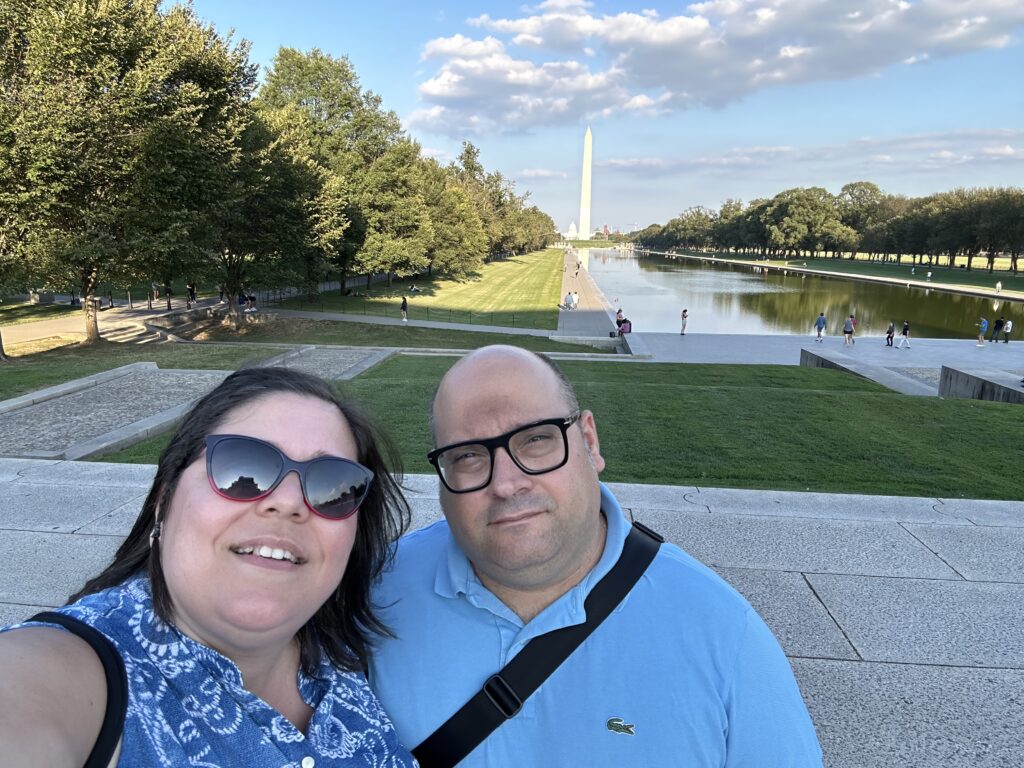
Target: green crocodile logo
618, 725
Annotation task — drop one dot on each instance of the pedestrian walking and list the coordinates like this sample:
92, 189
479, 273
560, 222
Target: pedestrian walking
997, 328
889, 333
405, 309
575, 299
683, 317
848, 331
982, 330
819, 324
1006, 331
905, 335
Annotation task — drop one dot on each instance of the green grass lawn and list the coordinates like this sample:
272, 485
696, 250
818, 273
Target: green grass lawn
976, 278
521, 291
293, 330
24, 312
41, 364
740, 426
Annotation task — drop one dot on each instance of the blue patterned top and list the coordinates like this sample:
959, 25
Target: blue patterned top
187, 705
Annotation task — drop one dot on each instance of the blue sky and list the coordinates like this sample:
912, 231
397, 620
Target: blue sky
689, 104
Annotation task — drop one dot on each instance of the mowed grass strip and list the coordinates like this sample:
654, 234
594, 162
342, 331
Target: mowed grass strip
24, 312
520, 291
41, 364
292, 330
741, 426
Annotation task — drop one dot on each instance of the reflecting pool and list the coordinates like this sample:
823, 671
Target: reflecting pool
727, 298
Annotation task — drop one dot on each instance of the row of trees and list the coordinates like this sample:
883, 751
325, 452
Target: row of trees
136, 146
962, 224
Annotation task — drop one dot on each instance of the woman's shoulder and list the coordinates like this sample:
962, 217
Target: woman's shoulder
54, 696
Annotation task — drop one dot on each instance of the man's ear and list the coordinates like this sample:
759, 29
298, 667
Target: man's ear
590, 439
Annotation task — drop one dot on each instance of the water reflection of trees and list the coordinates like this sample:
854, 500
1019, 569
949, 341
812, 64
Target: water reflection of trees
791, 302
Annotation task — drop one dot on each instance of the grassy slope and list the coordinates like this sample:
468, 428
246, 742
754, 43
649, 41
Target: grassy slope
521, 291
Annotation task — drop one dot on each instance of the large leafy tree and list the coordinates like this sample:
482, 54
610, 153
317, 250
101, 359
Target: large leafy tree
346, 130
115, 114
398, 227
457, 244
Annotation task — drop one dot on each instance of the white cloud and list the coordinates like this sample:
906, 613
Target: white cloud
541, 173
1004, 151
861, 158
712, 53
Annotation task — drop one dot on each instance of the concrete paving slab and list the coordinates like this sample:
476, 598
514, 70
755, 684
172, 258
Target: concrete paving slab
421, 485
986, 511
45, 568
94, 473
977, 553
792, 611
13, 469
117, 522
833, 506
872, 715
13, 613
919, 621
799, 544
666, 497
63, 508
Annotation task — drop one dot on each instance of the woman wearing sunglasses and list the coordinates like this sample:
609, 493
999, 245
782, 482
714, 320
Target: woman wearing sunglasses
234, 623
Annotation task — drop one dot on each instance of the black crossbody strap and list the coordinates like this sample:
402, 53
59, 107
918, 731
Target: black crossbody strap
117, 685
503, 694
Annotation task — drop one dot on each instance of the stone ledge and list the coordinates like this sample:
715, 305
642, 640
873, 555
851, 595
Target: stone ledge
879, 374
635, 346
981, 384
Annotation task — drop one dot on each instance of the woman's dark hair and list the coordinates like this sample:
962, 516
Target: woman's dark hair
343, 624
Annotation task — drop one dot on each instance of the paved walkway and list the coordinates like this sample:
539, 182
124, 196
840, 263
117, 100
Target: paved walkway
903, 618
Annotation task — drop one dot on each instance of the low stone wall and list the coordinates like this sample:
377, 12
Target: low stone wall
981, 384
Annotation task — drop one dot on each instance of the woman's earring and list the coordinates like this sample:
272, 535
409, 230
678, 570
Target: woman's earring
154, 534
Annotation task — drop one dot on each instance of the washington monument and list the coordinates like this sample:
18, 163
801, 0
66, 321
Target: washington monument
588, 144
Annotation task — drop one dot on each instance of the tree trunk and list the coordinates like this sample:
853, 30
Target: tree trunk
92, 327
3, 355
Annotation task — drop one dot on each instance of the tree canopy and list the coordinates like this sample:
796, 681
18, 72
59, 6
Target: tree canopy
809, 222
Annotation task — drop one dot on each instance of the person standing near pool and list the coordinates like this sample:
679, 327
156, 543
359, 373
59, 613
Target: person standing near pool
683, 317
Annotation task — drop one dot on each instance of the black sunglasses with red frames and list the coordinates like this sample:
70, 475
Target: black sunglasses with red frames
536, 448
243, 468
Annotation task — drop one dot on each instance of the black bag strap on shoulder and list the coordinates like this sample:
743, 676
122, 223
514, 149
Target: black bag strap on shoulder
503, 694
117, 685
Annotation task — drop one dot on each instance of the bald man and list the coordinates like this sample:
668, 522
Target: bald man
682, 673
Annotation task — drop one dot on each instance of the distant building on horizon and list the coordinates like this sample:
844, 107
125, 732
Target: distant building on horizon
572, 234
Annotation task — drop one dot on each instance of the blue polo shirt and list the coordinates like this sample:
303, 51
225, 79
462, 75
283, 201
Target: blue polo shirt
684, 660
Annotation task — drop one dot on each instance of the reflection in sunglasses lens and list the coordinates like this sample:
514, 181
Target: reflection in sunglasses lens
244, 469
334, 488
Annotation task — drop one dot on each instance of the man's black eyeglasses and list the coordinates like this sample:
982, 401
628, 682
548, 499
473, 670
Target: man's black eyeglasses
244, 468
536, 448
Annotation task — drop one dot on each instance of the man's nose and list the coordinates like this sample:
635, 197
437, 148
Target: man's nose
506, 476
